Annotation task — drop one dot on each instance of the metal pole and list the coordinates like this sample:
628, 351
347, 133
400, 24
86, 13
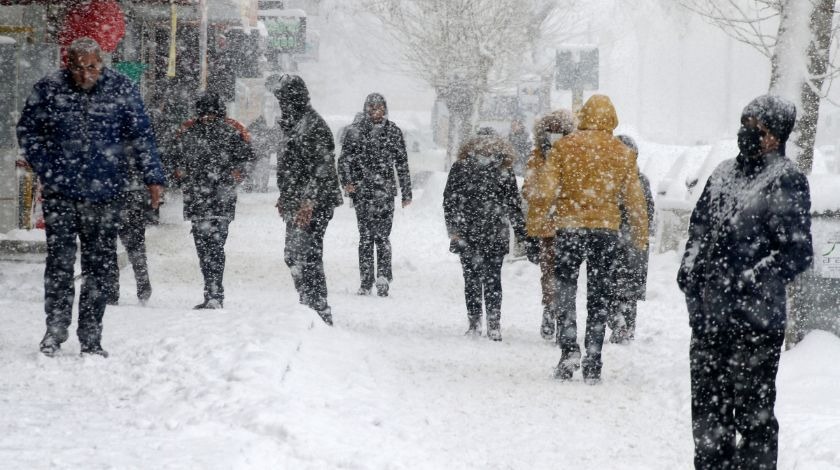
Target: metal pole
202, 45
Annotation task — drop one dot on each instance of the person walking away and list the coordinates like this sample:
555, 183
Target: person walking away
631, 265
133, 216
309, 191
538, 220
480, 203
521, 142
589, 172
211, 153
749, 236
372, 151
75, 130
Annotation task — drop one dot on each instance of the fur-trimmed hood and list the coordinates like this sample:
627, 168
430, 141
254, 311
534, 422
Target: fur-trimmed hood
561, 121
488, 149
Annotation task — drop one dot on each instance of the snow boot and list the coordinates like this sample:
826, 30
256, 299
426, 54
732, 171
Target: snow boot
494, 332
382, 286
363, 291
93, 350
474, 329
569, 363
144, 291
211, 304
326, 315
53, 338
591, 365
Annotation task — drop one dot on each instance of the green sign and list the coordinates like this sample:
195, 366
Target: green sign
286, 34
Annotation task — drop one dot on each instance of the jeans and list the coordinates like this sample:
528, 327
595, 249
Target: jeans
572, 247
132, 232
375, 218
95, 225
482, 280
733, 389
210, 236
304, 255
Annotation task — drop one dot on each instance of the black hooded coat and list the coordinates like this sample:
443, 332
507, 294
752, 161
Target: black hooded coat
305, 159
369, 157
481, 201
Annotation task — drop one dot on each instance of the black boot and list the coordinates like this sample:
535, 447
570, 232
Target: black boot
326, 315
53, 338
569, 363
475, 326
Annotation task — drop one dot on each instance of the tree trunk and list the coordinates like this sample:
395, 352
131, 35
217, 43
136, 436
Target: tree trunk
818, 54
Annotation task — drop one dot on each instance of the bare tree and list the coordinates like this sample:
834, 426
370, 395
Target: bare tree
798, 69
465, 48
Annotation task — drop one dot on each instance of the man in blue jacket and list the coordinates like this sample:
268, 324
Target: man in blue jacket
75, 131
750, 235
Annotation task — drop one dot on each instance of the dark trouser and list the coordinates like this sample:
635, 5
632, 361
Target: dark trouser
733, 389
304, 255
375, 216
210, 236
132, 231
547, 278
483, 278
572, 247
95, 224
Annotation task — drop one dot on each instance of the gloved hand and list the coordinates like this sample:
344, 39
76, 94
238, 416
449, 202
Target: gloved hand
532, 249
457, 245
746, 282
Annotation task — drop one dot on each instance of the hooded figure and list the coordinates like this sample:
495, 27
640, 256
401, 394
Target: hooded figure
749, 236
373, 158
309, 190
538, 220
631, 265
480, 203
211, 154
588, 174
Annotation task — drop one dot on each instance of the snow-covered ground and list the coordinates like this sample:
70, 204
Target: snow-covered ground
395, 384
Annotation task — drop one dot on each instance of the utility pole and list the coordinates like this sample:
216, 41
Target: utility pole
202, 45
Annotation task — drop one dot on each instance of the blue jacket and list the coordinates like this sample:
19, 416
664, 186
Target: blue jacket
77, 142
750, 235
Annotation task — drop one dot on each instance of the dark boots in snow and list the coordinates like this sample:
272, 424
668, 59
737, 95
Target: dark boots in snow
53, 338
569, 363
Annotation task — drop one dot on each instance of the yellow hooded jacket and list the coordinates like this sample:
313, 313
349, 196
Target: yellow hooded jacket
591, 172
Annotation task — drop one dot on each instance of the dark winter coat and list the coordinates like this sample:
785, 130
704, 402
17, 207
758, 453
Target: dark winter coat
481, 198
306, 169
207, 152
632, 263
749, 236
369, 156
263, 138
76, 141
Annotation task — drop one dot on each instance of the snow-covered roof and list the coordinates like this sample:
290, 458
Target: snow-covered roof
7, 40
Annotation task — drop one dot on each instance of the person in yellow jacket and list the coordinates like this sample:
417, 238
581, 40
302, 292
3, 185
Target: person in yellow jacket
539, 224
590, 173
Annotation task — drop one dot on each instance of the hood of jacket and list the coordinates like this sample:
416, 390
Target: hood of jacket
561, 121
293, 97
487, 150
598, 114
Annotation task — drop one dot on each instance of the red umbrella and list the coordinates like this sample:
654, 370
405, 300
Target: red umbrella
100, 20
